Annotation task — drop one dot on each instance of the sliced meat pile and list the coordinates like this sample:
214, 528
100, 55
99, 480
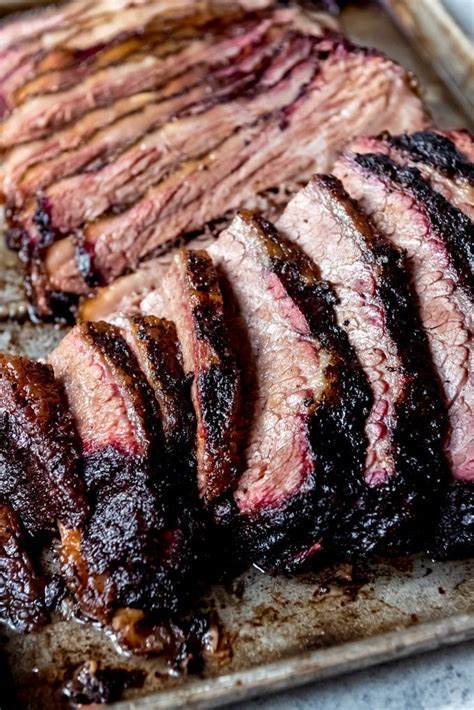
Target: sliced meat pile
191, 296
135, 549
439, 241
129, 129
404, 465
306, 397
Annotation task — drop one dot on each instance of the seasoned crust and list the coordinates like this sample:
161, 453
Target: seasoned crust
455, 532
38, 447
21, 590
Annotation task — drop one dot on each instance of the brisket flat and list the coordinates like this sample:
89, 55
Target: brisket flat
21, 590
440, 163
306, 134
132, 551
305, 402
404, 466
38, 454
191, 297
438, 239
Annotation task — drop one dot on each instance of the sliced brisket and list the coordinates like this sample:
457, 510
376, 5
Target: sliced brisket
40, 114
155, 344
21, 590
404, 466
438, 239
132, 551
306, 398
305, 134
191, 297
38, 454
440, 163
81, 198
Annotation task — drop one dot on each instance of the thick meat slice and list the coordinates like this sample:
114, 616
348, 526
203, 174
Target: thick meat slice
131, 552
191, 297
21, 591
404, 465
306, 398
38, 454
438, 240
307, 134
440, 163
155, 344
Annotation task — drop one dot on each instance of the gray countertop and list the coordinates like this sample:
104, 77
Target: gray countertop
433, 681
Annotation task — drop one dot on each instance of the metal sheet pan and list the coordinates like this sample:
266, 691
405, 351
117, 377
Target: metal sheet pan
281, 632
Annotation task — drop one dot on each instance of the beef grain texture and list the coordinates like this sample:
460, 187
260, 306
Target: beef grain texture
21, 590
404, 465
439, 240
38, 448
305, 402
135, 550
191, 297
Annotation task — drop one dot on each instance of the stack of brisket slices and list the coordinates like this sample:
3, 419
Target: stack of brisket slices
296, 389
299, 388
121, 131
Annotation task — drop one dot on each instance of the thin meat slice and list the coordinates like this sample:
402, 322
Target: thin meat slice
404, 464
39, 473
21, 590
305, 135
155, 344
41, 114
440, 163
438, 240
81, 198
190, 296
306, 397
156, 109
132, 552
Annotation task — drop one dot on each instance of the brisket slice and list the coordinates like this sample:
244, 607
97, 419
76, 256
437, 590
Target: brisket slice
21, 590
438, 240
155, 344
440, 163
307, 134
142, 113
132, 551
38, 454
191, 297
404, 465
160, 146
41, 114
306, 398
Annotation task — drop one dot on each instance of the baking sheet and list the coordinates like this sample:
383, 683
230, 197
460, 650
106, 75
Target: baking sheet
279, 631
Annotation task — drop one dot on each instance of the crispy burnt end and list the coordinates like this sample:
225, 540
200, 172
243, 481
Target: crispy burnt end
192, 298
305, 395
21, 590
135, 550
38, 452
